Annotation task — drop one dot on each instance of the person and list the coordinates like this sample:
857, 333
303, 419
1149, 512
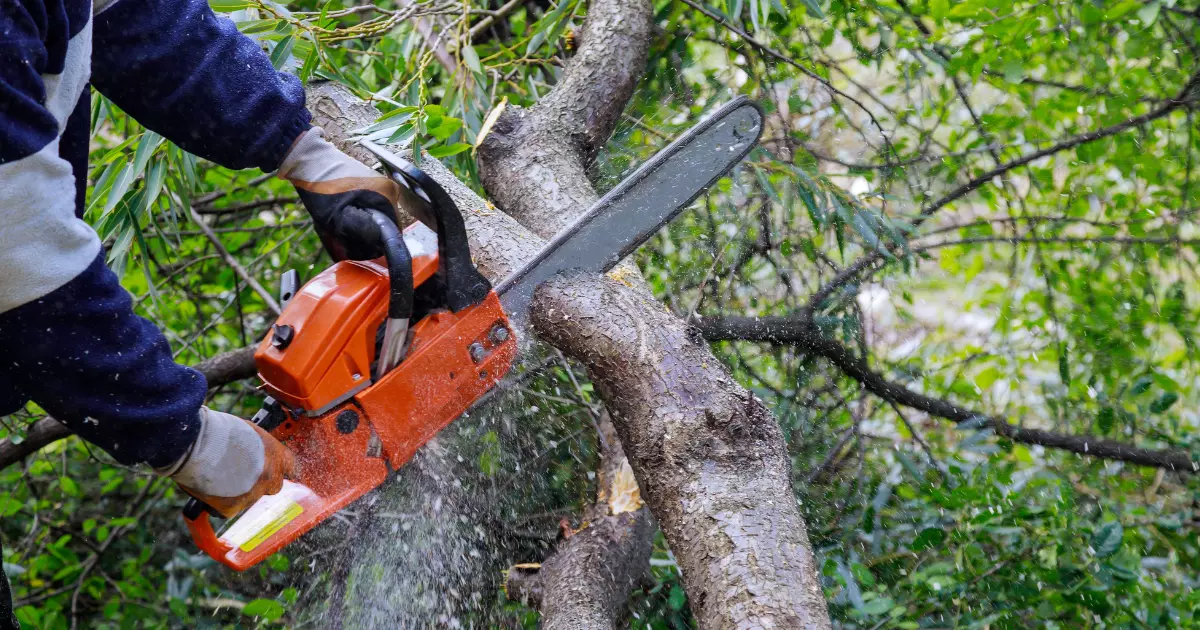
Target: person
69, 338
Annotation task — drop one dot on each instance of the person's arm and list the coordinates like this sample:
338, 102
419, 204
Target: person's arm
186, 73
83, 355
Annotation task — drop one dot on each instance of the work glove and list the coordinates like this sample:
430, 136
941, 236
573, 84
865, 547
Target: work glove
339, 192
231, 464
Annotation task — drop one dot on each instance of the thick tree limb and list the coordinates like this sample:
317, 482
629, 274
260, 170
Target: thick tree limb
799, 332
710, 458
533, 163
586, 583
219, 370
738, 570
591, 574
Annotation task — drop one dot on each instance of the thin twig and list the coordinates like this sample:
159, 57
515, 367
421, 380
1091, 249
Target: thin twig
237, 267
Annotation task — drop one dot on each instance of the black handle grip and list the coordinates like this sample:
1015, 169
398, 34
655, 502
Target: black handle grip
195, 507
465, 286
399, 260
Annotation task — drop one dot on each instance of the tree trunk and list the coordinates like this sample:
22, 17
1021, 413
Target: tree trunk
709, 456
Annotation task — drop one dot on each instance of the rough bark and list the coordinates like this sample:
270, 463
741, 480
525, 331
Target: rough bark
586, 583
739, 568
708, 455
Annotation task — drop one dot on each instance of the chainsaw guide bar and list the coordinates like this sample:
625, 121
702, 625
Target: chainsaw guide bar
369, 360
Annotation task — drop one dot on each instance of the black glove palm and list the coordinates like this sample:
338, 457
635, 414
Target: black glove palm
339, 193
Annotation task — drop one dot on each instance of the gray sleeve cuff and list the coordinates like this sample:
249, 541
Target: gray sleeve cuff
226, 459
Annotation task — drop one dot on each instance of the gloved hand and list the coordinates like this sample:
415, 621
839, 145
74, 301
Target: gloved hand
338, 192
231, 464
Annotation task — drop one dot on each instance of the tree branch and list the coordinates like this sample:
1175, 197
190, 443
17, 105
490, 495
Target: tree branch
533, 163
710, 459
873, 258
801, 333
738, 535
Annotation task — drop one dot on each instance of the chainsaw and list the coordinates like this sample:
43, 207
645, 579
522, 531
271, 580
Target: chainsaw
369, 360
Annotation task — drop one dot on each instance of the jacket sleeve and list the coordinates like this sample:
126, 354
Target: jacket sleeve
83, 355
191, 76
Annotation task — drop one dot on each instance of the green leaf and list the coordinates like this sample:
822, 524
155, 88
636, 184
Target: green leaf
1014, 72
268, 609
445, 128
403, 134
928, 538
862, 225
1107, 539
1141, 385
1148, 14
228, 6
282, 51
878, 606
69, 486
120, 185
1064, 367
535, 42
1104, 421
145, 149
1164, 402
814, 211
251, 27
448, 150
310, 65
677, 599
472, 59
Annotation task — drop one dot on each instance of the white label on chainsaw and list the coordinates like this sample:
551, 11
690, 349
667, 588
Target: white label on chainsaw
266, 512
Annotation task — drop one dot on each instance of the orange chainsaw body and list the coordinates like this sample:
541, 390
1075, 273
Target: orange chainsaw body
348, 431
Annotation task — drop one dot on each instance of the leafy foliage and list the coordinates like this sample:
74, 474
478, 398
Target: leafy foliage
890, 198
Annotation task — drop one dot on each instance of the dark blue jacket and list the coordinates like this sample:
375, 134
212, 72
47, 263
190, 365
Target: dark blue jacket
69, 339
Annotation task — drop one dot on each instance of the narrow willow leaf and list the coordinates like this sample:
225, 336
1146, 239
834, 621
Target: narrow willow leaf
448, 150
1107, 539
814, 8
282, 52
145, 149
472, 59
121, 181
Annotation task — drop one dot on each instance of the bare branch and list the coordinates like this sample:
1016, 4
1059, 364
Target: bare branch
804, 335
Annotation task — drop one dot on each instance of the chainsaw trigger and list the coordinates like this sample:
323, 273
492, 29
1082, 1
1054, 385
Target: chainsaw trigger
374, 445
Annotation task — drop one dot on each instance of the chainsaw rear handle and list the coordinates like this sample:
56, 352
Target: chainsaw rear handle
267, 418
203, 533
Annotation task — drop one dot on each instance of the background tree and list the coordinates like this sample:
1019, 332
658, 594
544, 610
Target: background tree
959, 274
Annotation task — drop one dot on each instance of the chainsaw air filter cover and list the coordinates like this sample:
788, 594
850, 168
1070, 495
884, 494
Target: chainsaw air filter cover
321, 348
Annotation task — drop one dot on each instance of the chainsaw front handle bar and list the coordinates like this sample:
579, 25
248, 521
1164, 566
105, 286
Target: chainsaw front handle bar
399, 262
465, 286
